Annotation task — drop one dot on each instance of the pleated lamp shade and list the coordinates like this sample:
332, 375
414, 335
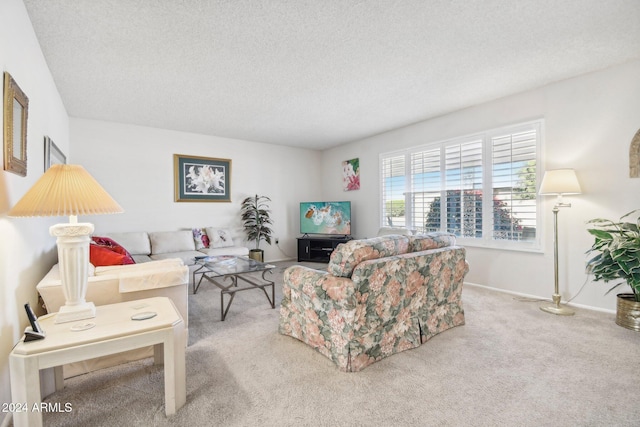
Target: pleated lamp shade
65, 190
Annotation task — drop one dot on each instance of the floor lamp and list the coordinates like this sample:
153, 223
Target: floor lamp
557, 183
69, 190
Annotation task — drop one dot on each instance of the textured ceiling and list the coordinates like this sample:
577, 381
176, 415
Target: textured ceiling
317, 73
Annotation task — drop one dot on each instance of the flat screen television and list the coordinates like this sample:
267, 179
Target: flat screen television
325, 218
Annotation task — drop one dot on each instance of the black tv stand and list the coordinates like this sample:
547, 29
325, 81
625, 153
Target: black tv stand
318, 248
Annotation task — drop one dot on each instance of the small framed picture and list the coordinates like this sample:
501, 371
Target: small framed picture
351, 174
52, 154
202, 179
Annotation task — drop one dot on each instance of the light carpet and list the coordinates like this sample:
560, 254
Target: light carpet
510, 365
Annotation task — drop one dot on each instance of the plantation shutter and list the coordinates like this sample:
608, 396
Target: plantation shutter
425, 194
481, 187
463, 185
393, 189
514, 184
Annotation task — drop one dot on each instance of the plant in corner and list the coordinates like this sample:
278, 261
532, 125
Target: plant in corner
256, 221
617, 257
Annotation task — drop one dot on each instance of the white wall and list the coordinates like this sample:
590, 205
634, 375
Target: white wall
589, 123
135, 165
27, 250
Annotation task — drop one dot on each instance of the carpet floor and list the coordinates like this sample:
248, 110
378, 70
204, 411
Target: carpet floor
510, 365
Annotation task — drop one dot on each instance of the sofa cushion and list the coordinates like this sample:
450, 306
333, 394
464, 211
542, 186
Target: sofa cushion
163, 242
200, 238
348, 255
141, 258
187, 257
105, 251
219, 237
135, 242
424, 242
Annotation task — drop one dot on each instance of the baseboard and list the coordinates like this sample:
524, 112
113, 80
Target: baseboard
281, 260
519, 294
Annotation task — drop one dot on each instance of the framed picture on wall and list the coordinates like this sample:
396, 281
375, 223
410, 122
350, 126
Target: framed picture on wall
351, 174
52, 154
16, 109
201, 179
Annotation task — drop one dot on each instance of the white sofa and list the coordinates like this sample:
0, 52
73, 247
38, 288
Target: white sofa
148, 246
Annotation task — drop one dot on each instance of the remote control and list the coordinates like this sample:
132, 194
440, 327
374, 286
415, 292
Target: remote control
144, 315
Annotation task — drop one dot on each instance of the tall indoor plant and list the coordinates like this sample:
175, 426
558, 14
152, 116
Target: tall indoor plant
617, 258
256, 218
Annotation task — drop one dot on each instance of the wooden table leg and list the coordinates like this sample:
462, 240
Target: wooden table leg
174, 370
25, 391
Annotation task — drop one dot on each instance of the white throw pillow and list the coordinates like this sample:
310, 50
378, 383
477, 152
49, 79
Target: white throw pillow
219, 237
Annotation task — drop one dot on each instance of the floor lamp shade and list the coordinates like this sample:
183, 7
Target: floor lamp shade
556, 183
69, 190
560, 181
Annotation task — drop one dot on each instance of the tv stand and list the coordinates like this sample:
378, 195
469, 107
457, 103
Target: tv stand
319, 248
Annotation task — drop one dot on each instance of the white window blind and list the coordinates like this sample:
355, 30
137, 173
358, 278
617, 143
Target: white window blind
425, 190
464, 189
393, 189
481, 188
514, 185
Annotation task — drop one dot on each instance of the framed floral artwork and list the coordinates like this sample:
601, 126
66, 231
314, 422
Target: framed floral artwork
202, 179
351, 174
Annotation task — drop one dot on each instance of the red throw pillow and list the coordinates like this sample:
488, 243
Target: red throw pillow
105, 251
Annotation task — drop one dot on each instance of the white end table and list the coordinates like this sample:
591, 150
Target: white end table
114, 332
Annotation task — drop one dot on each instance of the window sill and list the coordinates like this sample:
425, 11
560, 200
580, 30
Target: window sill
533, 247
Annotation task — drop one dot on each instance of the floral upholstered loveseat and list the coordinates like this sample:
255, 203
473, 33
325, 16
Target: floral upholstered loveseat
378, 297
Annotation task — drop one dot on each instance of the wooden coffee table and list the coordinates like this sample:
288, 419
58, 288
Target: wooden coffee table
220, 269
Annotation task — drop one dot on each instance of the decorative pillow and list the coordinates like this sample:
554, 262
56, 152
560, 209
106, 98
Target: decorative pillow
200, 238
219, 237
105, 251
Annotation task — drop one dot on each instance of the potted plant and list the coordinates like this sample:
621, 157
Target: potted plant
256, 221
617, 249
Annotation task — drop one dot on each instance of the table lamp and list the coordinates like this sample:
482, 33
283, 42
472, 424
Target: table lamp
557, 183
69, 190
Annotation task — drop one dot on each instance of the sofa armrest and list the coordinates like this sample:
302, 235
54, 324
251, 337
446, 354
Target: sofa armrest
129, 278
149, 275
319, 285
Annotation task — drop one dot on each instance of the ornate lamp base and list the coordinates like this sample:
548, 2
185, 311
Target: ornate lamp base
73, 258
71, 313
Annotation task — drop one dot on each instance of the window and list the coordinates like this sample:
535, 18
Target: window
481, 188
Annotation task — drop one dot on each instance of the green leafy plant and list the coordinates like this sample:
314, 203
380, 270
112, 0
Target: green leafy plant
617, 249
256, 218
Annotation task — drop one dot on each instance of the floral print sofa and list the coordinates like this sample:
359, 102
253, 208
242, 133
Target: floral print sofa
378, 297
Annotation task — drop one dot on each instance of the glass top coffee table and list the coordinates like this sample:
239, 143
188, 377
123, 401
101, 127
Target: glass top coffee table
226, 271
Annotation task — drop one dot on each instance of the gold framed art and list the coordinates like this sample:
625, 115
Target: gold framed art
16, 109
